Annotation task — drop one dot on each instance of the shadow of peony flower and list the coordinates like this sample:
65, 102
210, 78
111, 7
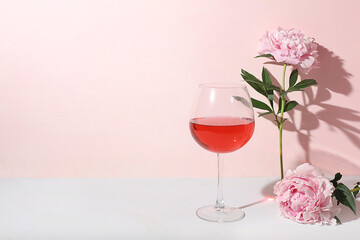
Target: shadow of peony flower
331, 77
328, 162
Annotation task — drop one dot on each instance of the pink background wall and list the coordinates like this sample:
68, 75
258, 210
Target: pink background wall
104, 88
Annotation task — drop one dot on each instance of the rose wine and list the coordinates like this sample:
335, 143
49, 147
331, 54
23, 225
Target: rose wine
222, 134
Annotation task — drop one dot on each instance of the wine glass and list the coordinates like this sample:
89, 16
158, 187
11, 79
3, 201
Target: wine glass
222, 121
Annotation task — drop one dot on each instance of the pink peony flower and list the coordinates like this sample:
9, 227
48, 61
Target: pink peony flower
290, 47
305, 196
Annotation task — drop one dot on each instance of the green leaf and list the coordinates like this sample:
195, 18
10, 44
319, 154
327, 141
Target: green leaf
257, 82
260, 105
242, 100
293, 89
337, 220
265, 113
306, 83
270, 96
265, 55
267, 80
257, 88
253, 82
293, 77
266, 76
280, 103
263, 85
273, 87
290, 105
282, 93
248, 76
345, 197
337, 177
279, 106
357, 191
251, 78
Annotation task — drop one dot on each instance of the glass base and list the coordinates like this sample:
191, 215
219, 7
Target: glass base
226, 214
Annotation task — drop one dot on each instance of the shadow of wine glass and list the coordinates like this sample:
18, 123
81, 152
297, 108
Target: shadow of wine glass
331, 77
253, 203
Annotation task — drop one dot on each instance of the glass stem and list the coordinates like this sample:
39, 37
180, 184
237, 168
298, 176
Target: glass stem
220, 201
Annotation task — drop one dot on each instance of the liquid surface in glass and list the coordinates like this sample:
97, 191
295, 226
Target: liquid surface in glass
222, 134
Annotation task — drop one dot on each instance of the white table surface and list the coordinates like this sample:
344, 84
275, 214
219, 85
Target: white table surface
111, 208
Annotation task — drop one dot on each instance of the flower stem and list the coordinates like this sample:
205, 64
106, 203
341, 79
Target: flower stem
281, 122
355, 189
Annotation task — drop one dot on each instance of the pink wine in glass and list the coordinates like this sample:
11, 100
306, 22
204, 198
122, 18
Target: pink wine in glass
222, 134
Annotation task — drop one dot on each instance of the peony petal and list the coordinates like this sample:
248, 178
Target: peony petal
304, 196
308, 170
291, 47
